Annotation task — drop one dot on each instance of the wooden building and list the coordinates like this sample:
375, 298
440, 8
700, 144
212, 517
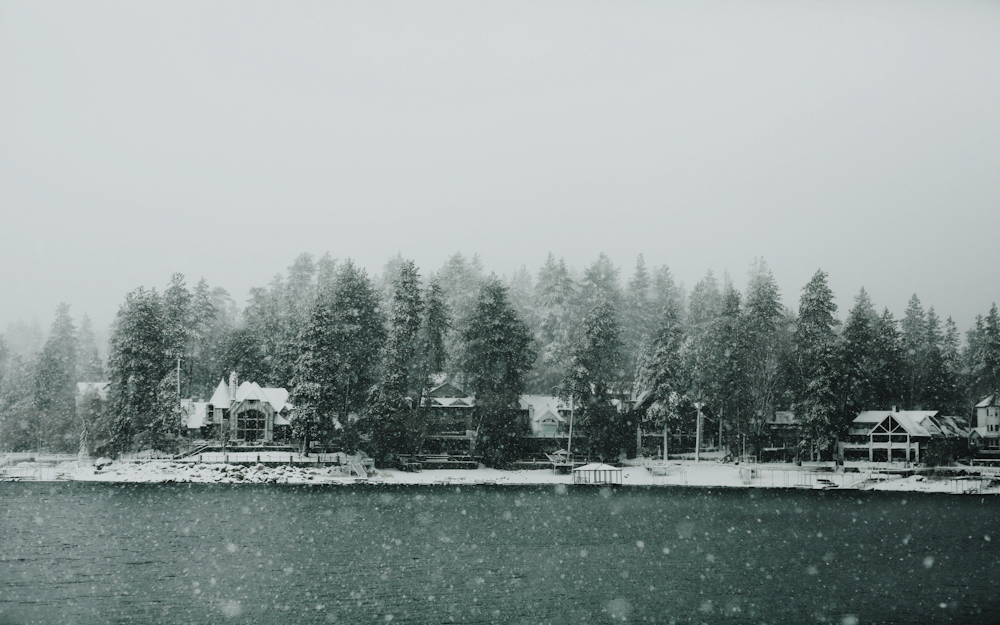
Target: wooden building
905, 435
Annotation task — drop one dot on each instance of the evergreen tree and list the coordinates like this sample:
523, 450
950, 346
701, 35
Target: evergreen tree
816, 365
888, 383
939, 387
337, 370
19, 422
600, 282
460, 281
952, 357
639, 319
176, 305
596, 378
55, 385
914, 342
432, 356
89, 367
497, 355
762, 324
554, 325
860, 356
662, 374
391, 423
138, 361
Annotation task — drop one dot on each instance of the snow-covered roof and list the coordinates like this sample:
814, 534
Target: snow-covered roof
948, 427
221, 398
596, 466
909, 420
989, 401
197, 417
277, 397
82, 388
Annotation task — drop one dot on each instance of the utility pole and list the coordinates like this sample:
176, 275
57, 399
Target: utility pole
569, 444
697, 437
180, 406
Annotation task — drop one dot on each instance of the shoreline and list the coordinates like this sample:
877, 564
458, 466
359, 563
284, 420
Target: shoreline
673, 473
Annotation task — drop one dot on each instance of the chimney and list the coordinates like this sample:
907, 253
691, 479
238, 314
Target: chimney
893, 408
232, 385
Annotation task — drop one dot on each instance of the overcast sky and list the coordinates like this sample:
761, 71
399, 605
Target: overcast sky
222, 139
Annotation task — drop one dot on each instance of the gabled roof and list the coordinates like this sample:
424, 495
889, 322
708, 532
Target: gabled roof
992, 400
910, 420
221, 398
276, 397
447, 390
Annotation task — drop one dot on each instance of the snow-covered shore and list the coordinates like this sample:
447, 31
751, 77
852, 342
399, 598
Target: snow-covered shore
674, 473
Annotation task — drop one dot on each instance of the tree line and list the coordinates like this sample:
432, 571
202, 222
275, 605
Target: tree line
357, 354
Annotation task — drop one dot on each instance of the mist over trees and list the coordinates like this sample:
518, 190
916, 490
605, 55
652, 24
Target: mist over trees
358, 352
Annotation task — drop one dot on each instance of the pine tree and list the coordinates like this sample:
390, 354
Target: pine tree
391, 423
55, 385
639, 320
138, 361
337, 370
89, 367
888, 382
763, 323
19, 422
596, 377
662, 374
554, 325
914, 342
859, 356
497, 355
816, 365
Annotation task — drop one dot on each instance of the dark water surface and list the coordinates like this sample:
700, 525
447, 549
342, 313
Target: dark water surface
189, 553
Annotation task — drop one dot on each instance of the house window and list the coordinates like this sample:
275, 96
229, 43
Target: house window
250, 426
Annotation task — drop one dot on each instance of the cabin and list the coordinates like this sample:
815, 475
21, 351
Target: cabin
782, 436
985, 435
547, 415
243, 415
451, 426
906, 435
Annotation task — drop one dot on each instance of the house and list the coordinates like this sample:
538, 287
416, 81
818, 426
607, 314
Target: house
243, 414
985, 435
547, 416
83, 388
905, 435
451, 426
782, 435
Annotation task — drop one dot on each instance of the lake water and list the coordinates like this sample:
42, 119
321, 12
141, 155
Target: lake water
189, 553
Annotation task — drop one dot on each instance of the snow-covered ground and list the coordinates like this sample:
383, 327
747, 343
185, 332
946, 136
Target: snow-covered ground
673, 473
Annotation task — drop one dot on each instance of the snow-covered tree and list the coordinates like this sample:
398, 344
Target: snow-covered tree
816, 365
55, 385
497, 355
138, 361
89, 366
337, 369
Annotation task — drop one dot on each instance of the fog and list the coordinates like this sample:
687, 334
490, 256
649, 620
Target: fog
222, 140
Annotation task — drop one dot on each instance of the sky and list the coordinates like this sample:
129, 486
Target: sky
223, 139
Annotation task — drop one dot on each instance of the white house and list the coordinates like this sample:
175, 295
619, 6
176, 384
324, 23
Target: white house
986, 433
244, 414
